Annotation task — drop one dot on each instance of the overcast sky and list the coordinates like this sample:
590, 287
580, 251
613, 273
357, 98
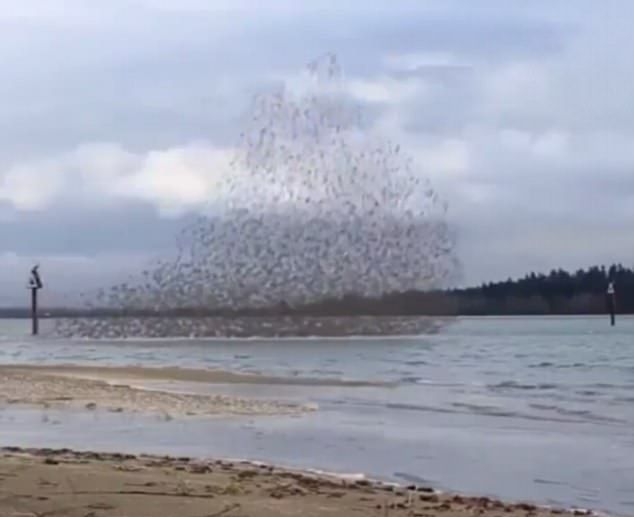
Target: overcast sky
118, 117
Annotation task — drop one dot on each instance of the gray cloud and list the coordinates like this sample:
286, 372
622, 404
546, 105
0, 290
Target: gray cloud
520, 114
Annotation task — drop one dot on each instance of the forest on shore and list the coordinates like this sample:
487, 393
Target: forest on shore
558, 292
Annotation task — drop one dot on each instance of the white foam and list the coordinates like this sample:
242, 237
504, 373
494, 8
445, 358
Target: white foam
349, 477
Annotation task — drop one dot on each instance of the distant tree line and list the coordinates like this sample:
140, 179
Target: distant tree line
558, 292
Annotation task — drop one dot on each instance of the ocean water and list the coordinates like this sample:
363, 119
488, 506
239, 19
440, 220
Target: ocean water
538, 409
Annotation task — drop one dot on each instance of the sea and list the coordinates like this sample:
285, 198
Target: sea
526, 408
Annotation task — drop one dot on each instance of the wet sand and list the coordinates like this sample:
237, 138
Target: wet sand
74, 484
108, 389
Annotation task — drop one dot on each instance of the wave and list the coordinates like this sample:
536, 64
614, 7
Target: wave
548, 364
417, 407
426, 382
485, 410
561, 415
412, 478
413, 380
624, 399
541, 481
608, 386
585, 414
520, 386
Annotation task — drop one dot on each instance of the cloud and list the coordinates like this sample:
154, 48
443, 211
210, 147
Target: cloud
385, 89
413, 62
173, 180
177, 180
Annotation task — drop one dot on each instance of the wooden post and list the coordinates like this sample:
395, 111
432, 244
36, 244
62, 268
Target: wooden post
35, 322
611, 299
35, 284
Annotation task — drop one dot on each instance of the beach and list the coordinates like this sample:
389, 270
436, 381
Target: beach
45, 482
511, 410
38, 482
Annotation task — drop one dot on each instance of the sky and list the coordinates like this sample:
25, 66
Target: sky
118, 118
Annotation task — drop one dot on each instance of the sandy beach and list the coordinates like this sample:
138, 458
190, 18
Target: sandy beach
97, 388
44, 482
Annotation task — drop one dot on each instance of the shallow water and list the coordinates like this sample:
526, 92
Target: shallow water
529, 408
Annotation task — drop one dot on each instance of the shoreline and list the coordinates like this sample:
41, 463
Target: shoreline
80, 483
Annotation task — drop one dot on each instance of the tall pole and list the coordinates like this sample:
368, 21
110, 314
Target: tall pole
35, 284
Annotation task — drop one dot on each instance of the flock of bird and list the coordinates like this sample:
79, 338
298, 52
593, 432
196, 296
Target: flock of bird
316, 208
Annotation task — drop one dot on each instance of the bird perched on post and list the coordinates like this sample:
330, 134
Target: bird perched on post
35, 281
